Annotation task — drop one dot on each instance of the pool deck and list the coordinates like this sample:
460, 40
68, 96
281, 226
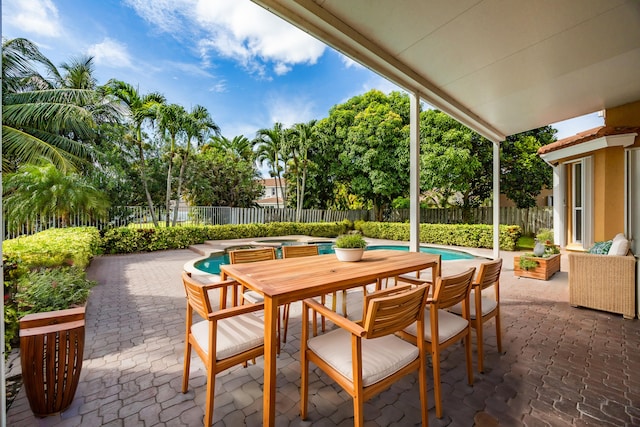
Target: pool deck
561, 366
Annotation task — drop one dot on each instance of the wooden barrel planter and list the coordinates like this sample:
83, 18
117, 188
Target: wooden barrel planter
51, 351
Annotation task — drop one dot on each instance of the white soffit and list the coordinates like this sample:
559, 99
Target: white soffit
498, 66
623, 140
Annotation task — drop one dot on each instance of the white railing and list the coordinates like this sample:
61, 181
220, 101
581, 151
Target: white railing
530, 220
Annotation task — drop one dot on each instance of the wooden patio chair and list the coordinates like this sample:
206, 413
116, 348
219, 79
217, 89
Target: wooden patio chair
377, 357
297, 251
442, 329
415, 279
488, 307
242, 256
226, 337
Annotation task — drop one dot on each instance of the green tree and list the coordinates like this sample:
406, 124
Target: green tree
219, 177
198, 125
46, 191
271, 145
172, 121
40, 122
455, 161
523, 173
373, 147
139, 109
302, 139
240, 145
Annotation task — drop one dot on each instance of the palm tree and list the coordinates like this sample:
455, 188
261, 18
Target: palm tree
271, 144
303, 138
39, 191
198, 125
239, 145
40, 121
140, 108
172, 120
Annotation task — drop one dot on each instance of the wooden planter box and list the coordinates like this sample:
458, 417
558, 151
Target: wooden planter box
545, 269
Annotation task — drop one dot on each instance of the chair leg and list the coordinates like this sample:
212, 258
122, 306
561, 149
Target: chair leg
422, 372
187, 365
480, 344
358, 409
285, 320
435, 361
211, 389
498, 331
467, 345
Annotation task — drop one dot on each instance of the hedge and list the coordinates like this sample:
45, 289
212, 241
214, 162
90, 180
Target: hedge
128, 240
468, 235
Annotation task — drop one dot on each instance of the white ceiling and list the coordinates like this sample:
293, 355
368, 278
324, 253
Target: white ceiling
498, 66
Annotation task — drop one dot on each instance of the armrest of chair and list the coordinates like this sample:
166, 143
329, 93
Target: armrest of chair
334, 317
235, 311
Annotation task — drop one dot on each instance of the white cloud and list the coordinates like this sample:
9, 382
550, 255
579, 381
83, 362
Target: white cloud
290, 110
37, 17
236, 29
219, 87
348, 62
111, 53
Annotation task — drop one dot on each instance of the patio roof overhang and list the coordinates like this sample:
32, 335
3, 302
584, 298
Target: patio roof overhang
499, 67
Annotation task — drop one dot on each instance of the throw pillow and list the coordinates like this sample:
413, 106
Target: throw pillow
601, 248
619, 247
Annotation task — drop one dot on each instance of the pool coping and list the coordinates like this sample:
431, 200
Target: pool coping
222, 246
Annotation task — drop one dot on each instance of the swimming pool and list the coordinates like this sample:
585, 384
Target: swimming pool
212, 264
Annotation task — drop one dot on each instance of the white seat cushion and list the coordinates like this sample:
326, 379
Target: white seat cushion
253, 297
488, 305
381, 357
449, 324
235, 335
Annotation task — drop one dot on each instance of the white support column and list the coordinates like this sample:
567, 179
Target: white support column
559, 206
496, 200
414, 171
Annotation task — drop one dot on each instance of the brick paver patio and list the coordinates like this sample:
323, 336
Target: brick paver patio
562, 366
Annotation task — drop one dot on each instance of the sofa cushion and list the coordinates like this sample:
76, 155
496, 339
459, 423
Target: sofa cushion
619, 247
619, 236
601, 248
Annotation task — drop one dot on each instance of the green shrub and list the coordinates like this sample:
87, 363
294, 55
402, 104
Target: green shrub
129, 240
469, 235
52, 289
55, 247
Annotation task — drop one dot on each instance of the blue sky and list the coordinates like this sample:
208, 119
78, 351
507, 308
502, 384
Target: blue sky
246, 66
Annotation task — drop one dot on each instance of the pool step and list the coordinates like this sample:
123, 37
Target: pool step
203, 249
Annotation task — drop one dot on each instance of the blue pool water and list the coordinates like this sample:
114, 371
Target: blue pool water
212, 264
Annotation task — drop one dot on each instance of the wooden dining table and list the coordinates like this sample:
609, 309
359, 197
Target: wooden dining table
284, 281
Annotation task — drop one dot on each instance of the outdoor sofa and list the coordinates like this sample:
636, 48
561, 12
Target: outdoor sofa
604, 281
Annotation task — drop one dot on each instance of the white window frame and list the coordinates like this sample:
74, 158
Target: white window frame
586, 184
574, 208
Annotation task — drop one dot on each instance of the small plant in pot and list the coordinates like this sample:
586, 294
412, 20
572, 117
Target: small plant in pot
350, 247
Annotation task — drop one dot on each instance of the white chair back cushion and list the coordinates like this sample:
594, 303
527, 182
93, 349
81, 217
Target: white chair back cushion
235, 335
449, 324
381, 357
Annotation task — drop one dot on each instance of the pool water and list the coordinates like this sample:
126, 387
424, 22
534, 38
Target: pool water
212, 264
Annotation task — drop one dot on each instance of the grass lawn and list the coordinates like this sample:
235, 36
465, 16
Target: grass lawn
525, 243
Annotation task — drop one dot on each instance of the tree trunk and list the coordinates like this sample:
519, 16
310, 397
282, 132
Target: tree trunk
143, 176
168, 196
182, 167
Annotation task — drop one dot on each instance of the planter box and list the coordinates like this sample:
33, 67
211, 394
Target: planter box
545, 269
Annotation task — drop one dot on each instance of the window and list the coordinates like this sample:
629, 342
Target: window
577, 205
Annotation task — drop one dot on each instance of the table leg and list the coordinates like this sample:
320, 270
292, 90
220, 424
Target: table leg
270, 347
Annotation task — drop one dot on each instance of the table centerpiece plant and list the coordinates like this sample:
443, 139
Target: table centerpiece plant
350, 247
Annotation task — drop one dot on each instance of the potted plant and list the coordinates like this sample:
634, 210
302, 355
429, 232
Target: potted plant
350, 247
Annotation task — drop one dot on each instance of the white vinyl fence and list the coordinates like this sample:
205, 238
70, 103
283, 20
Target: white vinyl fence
530, 220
